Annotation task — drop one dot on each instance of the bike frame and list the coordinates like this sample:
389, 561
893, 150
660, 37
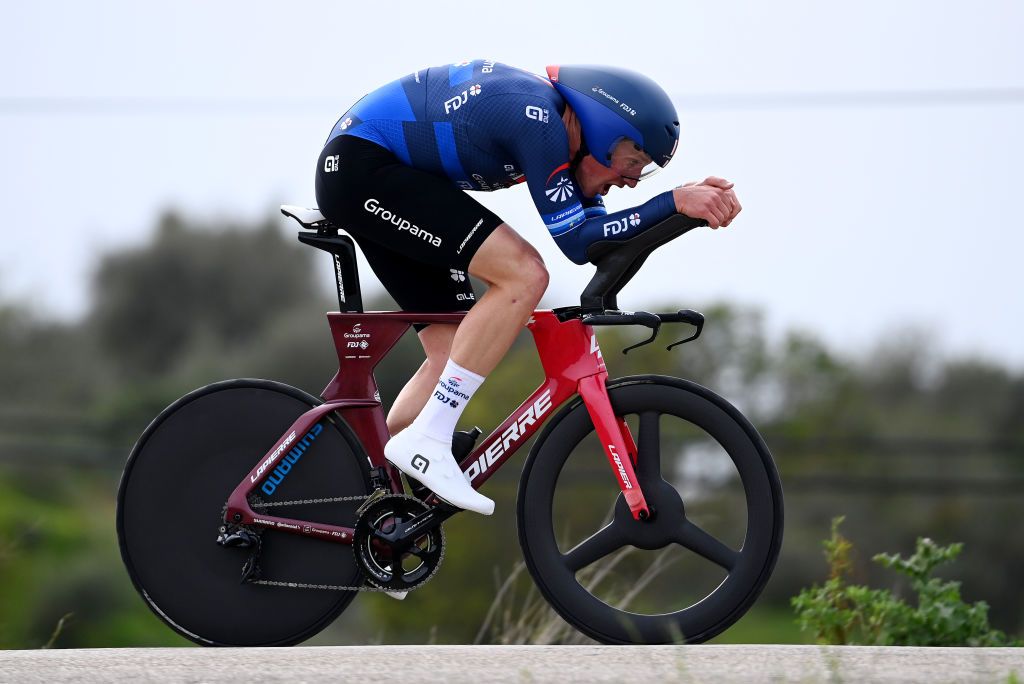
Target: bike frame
572, 363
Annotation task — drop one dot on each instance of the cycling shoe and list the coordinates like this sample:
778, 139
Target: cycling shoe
430, 461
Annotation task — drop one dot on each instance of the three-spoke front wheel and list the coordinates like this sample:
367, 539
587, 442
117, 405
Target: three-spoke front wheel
699, 563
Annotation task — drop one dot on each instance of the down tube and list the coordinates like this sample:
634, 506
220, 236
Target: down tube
515, 431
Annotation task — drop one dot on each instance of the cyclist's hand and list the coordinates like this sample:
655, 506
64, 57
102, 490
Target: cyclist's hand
713, 200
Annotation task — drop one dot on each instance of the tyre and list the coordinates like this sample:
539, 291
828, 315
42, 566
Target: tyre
170, 507
701, 561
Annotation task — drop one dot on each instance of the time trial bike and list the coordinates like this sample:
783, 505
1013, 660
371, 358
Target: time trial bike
649, 511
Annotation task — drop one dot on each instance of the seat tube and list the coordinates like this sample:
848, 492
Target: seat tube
617, 446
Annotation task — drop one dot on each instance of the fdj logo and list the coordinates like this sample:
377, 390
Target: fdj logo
460, 99
331, 163
621, 225
277, 475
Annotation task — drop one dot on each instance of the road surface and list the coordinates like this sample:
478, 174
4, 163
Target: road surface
479, 664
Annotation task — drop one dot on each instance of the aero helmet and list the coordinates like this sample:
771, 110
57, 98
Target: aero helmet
612, 104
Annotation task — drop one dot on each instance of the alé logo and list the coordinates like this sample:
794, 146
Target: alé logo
454, 103
537, 113
621, 225
331, 163
562, 191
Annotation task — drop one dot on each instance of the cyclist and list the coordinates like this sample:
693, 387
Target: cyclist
392, 174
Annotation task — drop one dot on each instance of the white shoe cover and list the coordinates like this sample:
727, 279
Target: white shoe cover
430, 461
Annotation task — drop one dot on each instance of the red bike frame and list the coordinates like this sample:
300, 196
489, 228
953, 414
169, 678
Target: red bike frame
572, 362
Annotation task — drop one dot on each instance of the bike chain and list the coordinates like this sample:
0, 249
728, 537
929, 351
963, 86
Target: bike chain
256, 502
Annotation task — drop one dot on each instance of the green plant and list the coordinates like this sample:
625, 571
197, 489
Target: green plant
841, 613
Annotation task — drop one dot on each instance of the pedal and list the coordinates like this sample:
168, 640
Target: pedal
397, 595
379, 478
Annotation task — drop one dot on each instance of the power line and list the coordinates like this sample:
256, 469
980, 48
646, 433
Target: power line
263, 105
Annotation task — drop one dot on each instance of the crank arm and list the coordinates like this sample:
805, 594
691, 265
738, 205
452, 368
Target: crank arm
404, 535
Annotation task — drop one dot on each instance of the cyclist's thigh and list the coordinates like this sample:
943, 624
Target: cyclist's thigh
366, 190
505, 256
417, 286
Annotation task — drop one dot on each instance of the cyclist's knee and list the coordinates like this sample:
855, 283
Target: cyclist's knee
534, 278
507, 260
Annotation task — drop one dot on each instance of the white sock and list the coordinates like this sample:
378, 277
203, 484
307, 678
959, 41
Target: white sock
454, 390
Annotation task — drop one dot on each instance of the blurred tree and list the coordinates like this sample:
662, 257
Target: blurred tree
194, 287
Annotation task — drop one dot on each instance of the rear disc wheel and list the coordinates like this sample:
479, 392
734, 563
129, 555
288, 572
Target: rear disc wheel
170, 507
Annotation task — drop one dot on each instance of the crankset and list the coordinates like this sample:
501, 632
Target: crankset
398, 541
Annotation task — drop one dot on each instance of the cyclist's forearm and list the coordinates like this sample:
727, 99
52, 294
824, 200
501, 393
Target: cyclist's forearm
619, 225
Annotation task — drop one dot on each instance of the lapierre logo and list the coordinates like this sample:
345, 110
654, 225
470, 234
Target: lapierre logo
454, 103
340, 277
621, 225
285, 466
622, 471
331, 163
373, 206
562, 191
509, 436
537, 114
594, 349
273, 457
469, 235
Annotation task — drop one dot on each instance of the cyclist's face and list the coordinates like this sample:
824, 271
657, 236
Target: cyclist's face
597, 179
629, 160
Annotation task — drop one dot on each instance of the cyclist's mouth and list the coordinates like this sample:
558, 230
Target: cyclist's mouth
606, 188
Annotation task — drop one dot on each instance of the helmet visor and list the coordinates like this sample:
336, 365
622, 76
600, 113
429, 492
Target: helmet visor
629, 160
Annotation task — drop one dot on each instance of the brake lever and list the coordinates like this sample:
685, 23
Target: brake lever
690, 316
654, 333
644, 318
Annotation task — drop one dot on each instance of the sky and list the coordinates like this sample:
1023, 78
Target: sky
876, 146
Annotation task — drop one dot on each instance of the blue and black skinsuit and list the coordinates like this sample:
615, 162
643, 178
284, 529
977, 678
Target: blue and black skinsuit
476, 125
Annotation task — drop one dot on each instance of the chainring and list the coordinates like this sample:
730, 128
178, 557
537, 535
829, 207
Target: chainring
377, 556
